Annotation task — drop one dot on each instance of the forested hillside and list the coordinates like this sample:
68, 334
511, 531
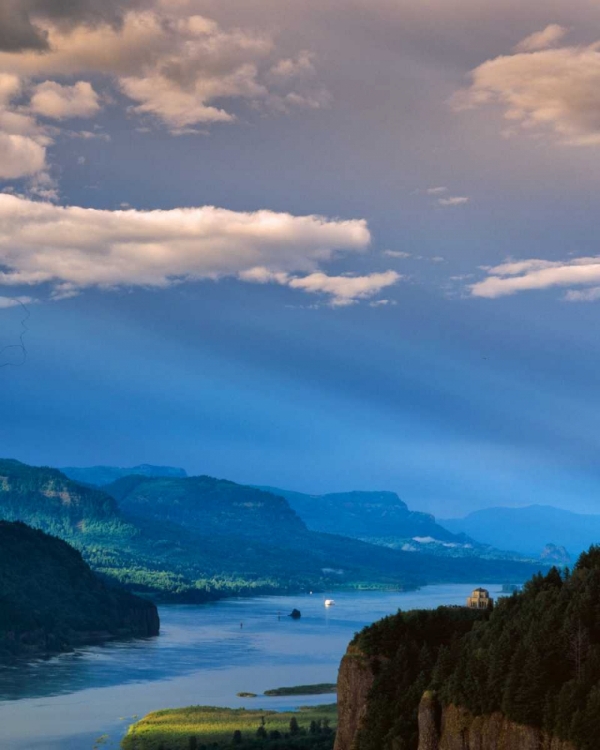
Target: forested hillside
535, 659
50, 600
197, 539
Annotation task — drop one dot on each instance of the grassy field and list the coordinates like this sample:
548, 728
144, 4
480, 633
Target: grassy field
209, 728
320, 689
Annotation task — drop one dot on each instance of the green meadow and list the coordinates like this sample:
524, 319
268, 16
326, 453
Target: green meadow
210, 728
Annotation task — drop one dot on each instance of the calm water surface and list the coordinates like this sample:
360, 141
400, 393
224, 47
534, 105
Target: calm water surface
202, 657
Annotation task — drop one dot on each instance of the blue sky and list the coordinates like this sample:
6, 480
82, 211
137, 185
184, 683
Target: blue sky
413, 307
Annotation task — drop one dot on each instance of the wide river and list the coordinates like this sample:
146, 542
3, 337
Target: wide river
203, 656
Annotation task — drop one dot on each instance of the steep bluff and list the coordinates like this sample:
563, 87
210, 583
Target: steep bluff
439, 727
455, 728
355, 680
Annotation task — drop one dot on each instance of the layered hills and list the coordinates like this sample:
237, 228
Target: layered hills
101, 475
529, 529
50, 600
526, 675
384, 519
200, 538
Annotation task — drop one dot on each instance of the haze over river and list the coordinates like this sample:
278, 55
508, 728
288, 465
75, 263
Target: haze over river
202, 657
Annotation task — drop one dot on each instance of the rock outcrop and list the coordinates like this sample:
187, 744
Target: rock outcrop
355, 679
440, 727
455, 728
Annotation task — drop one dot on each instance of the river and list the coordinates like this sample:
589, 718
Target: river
204, 656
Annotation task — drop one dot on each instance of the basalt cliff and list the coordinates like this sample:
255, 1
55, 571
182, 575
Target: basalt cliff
525, 676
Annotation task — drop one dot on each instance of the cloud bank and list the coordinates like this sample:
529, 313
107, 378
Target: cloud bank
72, 248
553, 90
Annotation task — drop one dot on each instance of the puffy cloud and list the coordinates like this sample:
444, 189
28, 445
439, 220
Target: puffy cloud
555, 89
519, 276
342, 290
548, 37
21, 21
20, 156
302, 65
177, 69
345, 290
73, 247
454, 200
52, 100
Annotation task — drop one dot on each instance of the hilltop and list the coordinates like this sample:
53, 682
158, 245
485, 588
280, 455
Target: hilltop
382, 518
200, 538
101, 475
50, 600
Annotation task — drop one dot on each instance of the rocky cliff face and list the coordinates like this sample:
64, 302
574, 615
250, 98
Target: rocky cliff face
454, 728
440, 727
355, 679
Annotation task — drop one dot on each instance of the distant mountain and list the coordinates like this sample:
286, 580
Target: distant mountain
101, 475
212, 506
364, 514
382, 518
50, 600
228, 511
528, 530
200, 538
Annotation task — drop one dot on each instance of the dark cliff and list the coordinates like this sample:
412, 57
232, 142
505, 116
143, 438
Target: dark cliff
51, 601
523, 676
455, 728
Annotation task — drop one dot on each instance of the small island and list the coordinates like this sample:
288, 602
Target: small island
322, 688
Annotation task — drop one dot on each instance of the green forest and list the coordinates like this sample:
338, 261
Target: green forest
535, 658
50, 600
196, 539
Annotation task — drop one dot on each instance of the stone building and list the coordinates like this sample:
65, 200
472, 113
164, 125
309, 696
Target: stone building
480, 599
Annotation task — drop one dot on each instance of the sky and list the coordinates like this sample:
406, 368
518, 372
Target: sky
323, 245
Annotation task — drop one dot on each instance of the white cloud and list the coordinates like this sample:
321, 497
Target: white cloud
345, 290
52, 100
557, 90
73, 248
20, 156
436, 190
6, 302
587, 295
396, 254
342, 290
534, 274
454, 200
548, 37
302, 65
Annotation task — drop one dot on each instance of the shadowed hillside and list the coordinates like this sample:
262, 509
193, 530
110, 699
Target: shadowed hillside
50, 600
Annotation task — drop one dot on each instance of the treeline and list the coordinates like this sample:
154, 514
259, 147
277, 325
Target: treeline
535, 658
50, 600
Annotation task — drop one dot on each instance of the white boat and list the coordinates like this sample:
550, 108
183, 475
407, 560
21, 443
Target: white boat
329, 602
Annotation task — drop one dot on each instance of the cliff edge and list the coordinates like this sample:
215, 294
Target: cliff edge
455, 728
